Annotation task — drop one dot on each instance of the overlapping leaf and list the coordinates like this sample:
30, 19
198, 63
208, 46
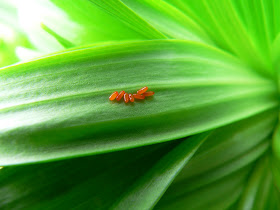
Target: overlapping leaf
93, 26
221, 164
73, 184
240, 27
77, 183
146, 192
260, 192
162, 16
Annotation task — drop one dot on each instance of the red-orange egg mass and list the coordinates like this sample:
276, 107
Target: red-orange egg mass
141, 94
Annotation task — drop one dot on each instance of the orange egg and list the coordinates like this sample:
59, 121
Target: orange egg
149, 93
119, 97
131, 98
138, 96
126, 99
113, 95
142, 90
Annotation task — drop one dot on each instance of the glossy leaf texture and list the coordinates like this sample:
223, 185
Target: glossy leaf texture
78, 183
243, 28
80, 23
276, 143
207, 139
260, 192
133, 20
11, 35
162, 16
45, 115
221, 166
137, 20
275, 157
90, 184
73, 184
146, 192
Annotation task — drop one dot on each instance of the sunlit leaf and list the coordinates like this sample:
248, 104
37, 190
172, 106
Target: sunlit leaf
11, 35
235, 27
201, 89
207, 139
93, 26
164, 17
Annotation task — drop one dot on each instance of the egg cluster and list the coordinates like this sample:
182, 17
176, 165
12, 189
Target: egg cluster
141, 94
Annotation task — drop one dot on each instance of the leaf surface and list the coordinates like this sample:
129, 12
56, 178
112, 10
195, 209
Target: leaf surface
73, 184
57, 107
169, 20
80, 23
240, 27
145, 193
260, 192
78, 183
218, 159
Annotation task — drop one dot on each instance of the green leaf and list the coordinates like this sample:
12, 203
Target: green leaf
197, 88
87, 185
276, 143
118, 9
275, 159
145, 193
259, 23
82, 183
223, 146
65, 43
260, 193
218, 158
218, 195
235, 28
80, 23
275, 167
214, 67
118, 175
11, 36
169, 20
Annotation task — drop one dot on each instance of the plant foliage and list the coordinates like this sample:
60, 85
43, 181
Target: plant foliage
207, 139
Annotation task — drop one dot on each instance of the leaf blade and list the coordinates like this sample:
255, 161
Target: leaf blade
145, 193
66, 98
